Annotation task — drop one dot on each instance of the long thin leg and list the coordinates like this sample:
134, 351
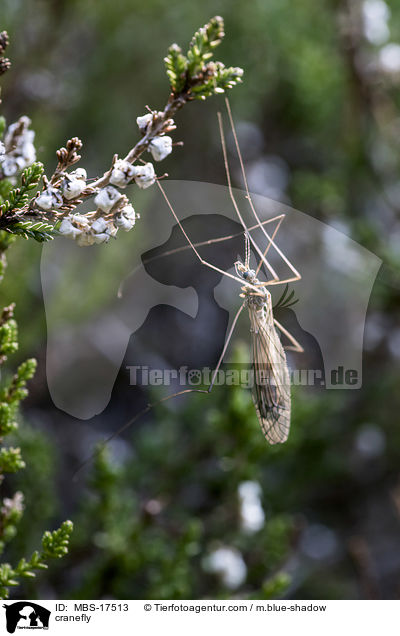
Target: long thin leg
129, 423
235, 205
279, 281
202, 261
220, 239
280, 217
296, 345
148, 408
183, 248
227, 341
297, 275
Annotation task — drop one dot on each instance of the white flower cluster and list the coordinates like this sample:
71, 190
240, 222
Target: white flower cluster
143, 122
49, 199
376, 28
118, 212
228, 563
72, 185
126, 218
252, 515
389, 58
12, 505
107, 198
123, 172
125, 215
144, 175
161, 145
375, 21
18, 150
86, 231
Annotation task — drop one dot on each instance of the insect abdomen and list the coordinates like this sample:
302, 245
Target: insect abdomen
271, 392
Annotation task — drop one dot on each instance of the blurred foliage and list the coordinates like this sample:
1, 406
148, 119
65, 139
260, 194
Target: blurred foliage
12, 392
319, 101
174, 500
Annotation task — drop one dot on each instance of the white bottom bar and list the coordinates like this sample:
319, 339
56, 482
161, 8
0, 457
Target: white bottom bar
200, 617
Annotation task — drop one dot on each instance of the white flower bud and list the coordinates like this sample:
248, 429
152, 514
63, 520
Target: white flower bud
126, 218
160, 147
79, 173
102, 237
129, 212
124, 223
80, 219
77, 226
49, 199
72, 187
99, 225
8, 137
252, 515
144, 121
102, 230
144, 175
229, 564
12, 165
67, 229
28, 153
24, 145
106, 198
2, 151
28, 137
122, 173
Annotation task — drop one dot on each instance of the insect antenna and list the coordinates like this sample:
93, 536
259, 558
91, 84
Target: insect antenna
276, 280
234, 202
246, 250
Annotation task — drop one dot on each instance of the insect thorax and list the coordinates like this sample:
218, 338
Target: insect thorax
256, 300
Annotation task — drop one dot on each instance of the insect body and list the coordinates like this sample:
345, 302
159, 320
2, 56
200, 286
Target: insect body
271, 390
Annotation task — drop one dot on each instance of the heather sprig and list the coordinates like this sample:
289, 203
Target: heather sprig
12, 391
52, 210
54, 546
195, 74
40, 207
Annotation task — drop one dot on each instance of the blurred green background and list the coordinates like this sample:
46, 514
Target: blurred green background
319, 118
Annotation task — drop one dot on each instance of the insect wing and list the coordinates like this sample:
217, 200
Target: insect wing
271, 390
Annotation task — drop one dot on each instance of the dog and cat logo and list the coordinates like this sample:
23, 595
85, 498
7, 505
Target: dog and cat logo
26, 615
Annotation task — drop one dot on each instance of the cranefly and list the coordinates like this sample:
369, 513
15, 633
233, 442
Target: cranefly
271, 387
